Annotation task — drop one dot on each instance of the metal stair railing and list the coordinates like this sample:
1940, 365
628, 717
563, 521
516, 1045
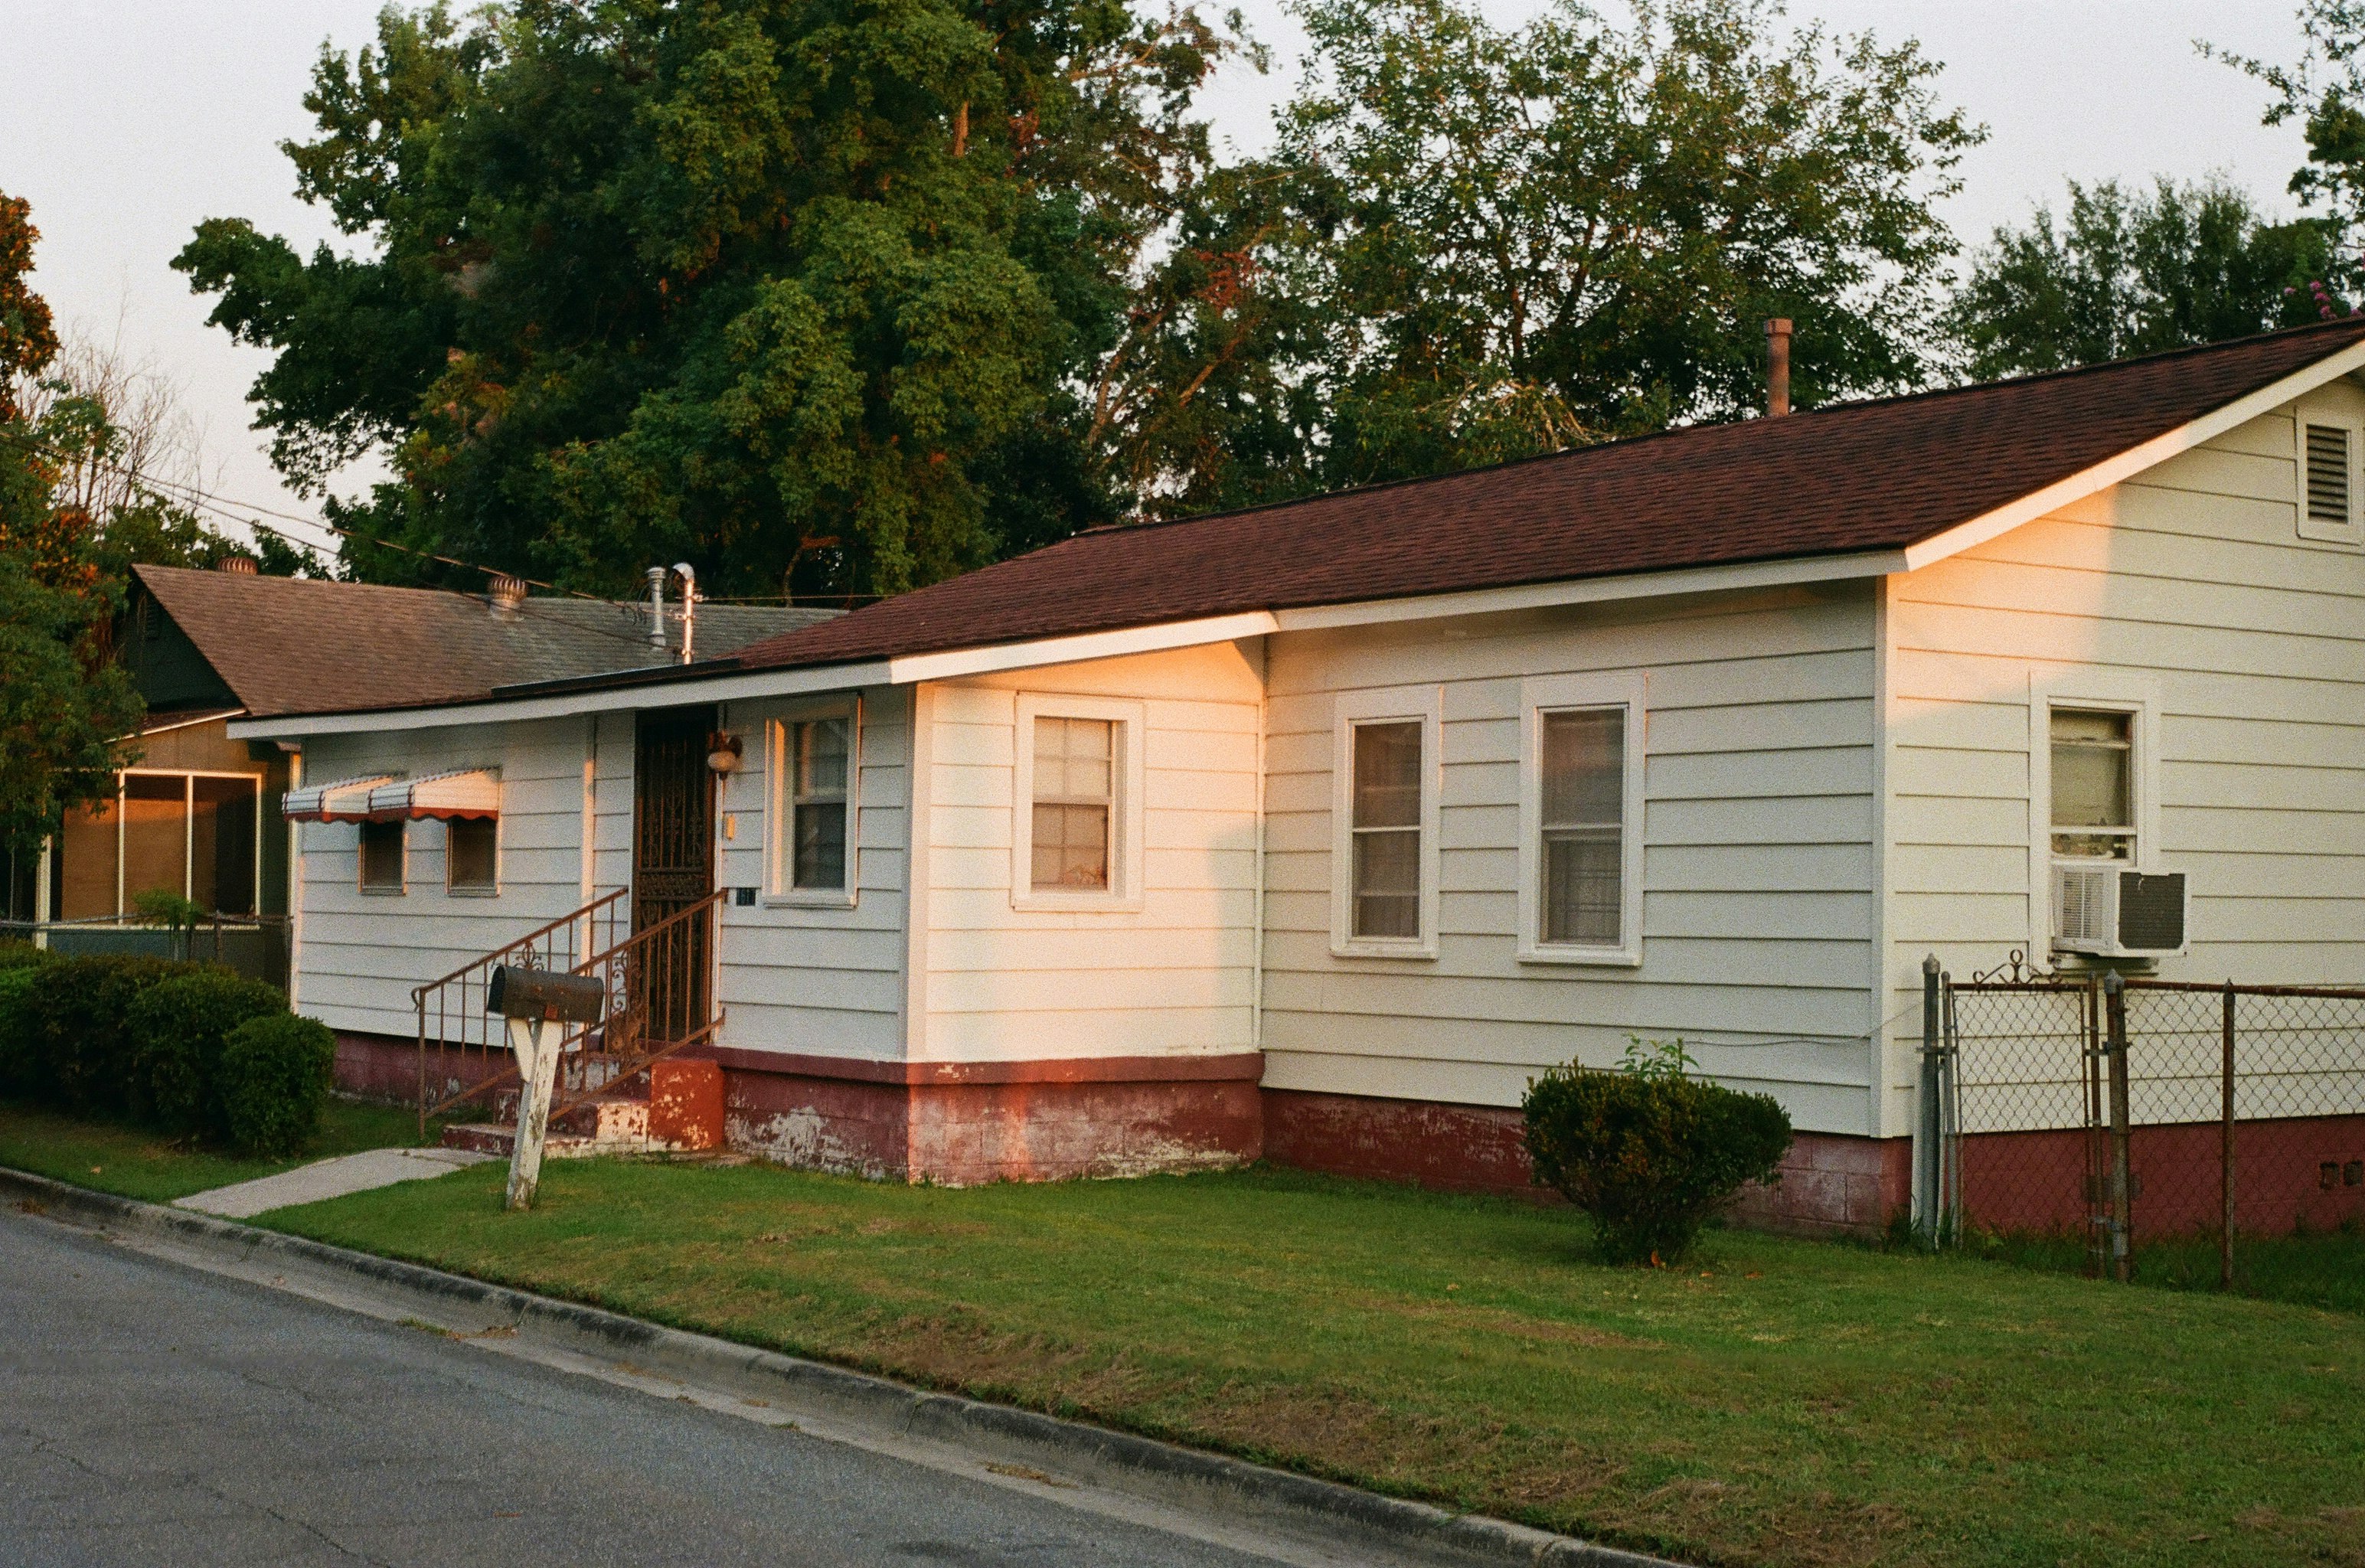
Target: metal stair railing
660, 986
463, 1053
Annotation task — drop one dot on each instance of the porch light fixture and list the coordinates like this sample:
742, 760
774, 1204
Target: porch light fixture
723, 751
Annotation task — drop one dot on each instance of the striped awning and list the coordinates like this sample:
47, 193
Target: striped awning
346, 800
461, 792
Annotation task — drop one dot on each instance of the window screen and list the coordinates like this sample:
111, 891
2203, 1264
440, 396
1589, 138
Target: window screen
471, 853
820, 765
221, 844
2327, 475
1584, 799
2093, 793
381, 856
1075, 776
1386, 829
155, 835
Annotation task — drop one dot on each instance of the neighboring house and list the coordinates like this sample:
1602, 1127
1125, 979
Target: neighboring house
1316, 829
198, 813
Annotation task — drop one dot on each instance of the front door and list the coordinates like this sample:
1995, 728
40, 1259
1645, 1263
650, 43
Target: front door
673, 864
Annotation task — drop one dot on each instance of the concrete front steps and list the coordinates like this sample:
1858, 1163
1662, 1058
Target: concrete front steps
674, 1108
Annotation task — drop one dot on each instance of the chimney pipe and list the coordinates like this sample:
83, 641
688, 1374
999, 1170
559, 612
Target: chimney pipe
689, 576
505, 594
656, 576
1777, 365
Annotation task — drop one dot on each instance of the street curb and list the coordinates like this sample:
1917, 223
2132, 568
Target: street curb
1119, 1460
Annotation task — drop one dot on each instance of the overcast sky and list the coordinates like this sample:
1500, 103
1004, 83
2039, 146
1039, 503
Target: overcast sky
127, 121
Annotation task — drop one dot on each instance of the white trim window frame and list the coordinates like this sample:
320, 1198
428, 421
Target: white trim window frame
782, 799
1127, 720
2313, 423
1354, 712
2098, 691
188, 777
1541, 698
459, 890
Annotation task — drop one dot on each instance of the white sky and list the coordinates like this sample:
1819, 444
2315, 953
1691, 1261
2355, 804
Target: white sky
127, 121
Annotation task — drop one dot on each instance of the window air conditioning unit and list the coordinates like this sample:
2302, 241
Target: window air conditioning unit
2107, 912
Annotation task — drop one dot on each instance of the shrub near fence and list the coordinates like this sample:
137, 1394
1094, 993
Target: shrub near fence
2219, 1129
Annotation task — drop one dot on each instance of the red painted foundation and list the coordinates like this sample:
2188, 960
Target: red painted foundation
2288, 1174
1830, 1184
962, 1123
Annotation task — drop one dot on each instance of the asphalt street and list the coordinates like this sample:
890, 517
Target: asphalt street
151, 1413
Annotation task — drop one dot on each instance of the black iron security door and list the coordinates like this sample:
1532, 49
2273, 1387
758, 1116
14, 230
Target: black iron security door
673, 863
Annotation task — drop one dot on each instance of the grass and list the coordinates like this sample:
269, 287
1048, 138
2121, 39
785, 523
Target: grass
155, 1168
1778, 1402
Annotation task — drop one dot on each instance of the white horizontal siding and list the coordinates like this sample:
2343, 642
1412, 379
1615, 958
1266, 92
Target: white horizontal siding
821, 982
1177, 975
360, 953
2193, 576
1758, 867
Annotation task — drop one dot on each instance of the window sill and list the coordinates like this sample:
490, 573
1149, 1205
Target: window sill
382, 893
1367, 949
1075, 903
1596, 958
473, 893
809, 898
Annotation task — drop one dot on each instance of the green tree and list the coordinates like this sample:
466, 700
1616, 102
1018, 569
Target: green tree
1511, 241
64, 708
2323, 93
810, 293
2134, 272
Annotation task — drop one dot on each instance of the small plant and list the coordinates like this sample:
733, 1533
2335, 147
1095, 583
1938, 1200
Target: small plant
274, 1078
1650, 1153
177, 1029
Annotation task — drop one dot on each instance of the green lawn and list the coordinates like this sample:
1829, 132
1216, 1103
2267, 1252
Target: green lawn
2323, 1268
148, 1166
1778, 1402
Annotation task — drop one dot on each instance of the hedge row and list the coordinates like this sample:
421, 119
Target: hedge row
189, 1050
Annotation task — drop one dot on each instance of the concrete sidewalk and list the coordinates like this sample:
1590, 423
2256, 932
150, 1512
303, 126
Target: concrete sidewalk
328, 1179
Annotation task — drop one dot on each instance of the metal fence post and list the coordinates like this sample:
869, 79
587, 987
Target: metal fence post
2225, 1152
2114, 1005
1926, 1132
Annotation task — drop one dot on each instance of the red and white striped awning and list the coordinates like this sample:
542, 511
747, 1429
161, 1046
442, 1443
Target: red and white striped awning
346, 800
461, 792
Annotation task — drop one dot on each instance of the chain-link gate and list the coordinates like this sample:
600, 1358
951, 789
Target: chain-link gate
2182, 1133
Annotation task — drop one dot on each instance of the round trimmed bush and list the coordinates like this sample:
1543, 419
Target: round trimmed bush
83, 1047
275, 1072
1650, 1154
177, 1031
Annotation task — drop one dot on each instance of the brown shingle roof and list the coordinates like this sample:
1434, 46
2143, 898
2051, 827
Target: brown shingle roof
1850, 478
294, 646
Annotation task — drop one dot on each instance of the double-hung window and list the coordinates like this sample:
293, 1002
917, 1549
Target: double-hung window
383, 856
2093, 785
1385, 816
1076, 823
812, 807
1581, 819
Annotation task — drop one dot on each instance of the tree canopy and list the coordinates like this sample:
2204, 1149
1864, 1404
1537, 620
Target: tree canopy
2129, 272
65, 708
842, 297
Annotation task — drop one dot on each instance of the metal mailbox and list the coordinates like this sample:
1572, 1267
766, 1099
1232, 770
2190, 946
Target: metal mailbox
546, 994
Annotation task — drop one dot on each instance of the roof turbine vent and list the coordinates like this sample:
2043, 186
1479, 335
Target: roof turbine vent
237, 565
505, 594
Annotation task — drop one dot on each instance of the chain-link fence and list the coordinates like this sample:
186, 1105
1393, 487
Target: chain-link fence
2181, 1134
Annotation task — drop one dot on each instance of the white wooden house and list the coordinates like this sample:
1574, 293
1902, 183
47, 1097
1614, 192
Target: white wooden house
1314, 831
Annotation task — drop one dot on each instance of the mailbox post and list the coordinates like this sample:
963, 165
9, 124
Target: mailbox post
529, 999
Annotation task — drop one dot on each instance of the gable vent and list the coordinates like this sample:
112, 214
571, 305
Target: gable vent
2328, 473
